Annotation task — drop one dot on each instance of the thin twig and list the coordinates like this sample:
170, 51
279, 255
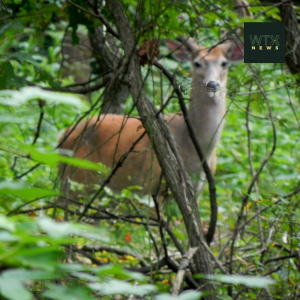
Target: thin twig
39, 124
99, 16
259, 171
272, 7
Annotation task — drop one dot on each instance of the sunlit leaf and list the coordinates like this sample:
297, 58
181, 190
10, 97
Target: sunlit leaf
15, 119
120, 287
59, 292
13, 289
16, 98
53, 158
187, 295
63, 229
6, 223
22, 189
251, 281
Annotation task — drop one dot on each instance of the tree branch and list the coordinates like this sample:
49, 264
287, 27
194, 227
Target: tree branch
169, 160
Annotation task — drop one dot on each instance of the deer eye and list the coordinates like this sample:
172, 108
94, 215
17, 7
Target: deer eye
197, 64
224, 64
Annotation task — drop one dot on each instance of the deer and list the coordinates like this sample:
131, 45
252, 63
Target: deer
107, 137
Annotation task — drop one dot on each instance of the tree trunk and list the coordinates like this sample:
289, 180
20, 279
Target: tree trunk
165, 149
292, 37
108, 59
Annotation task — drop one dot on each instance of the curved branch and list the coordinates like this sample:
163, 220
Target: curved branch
98, 16
210, 179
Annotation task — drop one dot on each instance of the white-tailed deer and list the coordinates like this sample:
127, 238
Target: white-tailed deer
106, 139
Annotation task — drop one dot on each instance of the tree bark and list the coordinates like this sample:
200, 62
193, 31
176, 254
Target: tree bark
108, 59
165, 149
292, 37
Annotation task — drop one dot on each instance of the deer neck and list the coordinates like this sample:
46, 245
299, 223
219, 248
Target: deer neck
206, 112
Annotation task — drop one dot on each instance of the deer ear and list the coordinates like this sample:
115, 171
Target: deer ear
236, 55
233, 51
180, 52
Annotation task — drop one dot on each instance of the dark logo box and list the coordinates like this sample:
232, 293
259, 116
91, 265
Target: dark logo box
264, 42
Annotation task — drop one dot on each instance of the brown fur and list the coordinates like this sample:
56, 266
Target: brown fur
106, 141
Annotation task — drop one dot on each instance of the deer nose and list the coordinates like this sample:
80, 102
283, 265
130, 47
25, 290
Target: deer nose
213, 86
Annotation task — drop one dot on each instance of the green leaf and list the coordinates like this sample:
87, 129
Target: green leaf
121, 287
44, 258
25, 275
59, 292
255, 196
8, 78
85, 276
13, 289
63, 229
48, 11
5, 223
22, 57
16, 98
56, 229
14, 119
287, 177
22, 189
115, 270
11, 283
11, 25
52, 159
7, 237
187, 295
250, 281
84, 164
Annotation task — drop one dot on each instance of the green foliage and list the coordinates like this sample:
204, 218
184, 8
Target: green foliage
38, 257
250, 281
187, 295
31, 250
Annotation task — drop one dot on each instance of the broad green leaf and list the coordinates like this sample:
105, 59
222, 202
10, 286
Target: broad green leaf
5, 223
48, 11
83, 163
91, 235
59, 292
8, 79
22, 57
22, 189
226, 297
56, 229
287, 177
187, 295
11, 25
11, 282
52, 159
255, 196
13, 289
25, 275
115, 270
250, 281
45, 258
86, 276
16, 98
121, 287
5, 236
63, 229
15, 119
